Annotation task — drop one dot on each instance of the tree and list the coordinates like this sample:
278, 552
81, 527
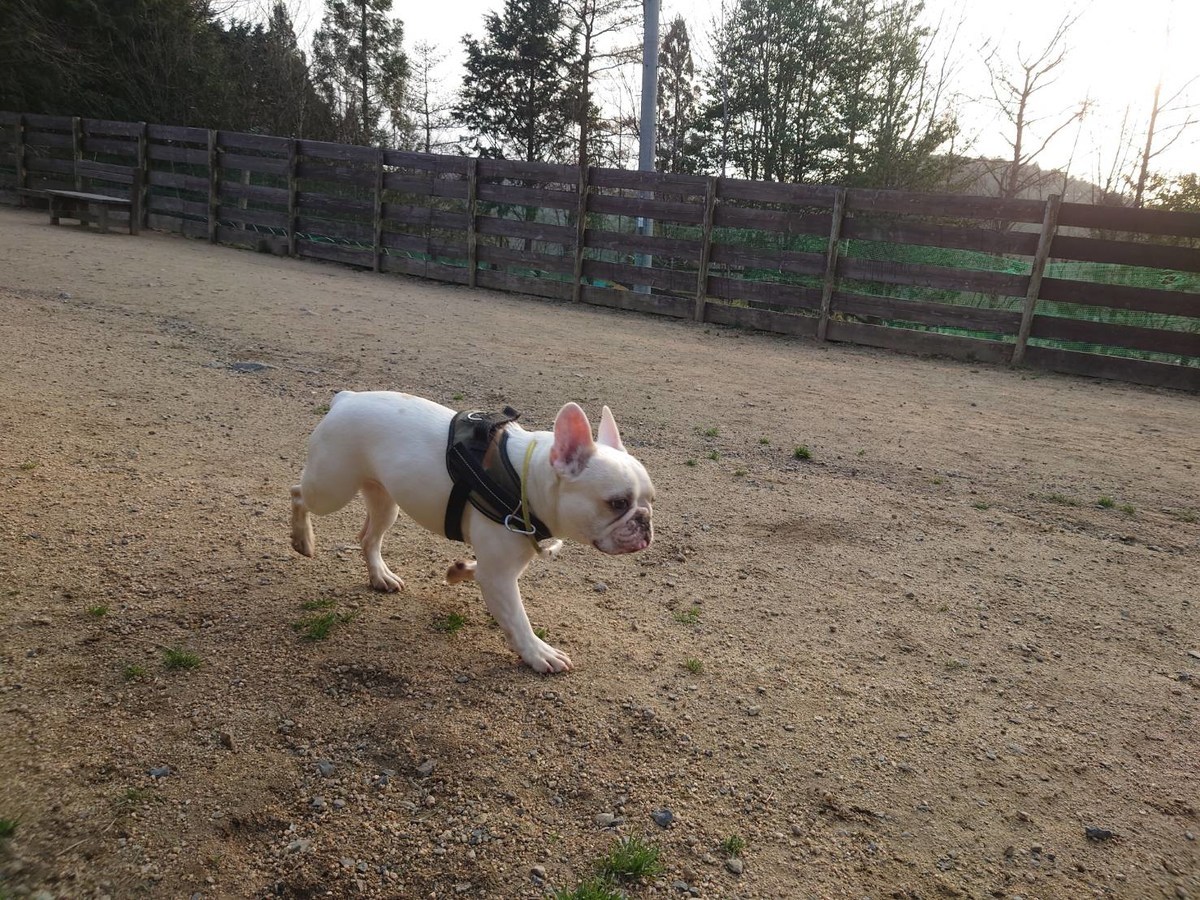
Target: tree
902, 123
593, 22
361, 69
678, 99
1167, 135
521, 86
769, 89
429, 107
269, 86
1181, 192
1015, 92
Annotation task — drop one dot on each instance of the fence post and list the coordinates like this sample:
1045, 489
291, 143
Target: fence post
76, 150
831, 263
1045, 239
710, 208
212, 186
143, 187
377, 225
293, 153
472, 233
19, 150
583, 188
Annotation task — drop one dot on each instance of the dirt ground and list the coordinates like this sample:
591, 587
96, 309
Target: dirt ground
923, 662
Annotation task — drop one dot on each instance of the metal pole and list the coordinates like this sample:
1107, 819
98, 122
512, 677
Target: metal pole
649, 117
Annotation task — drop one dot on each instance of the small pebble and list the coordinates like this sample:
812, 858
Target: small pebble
608, 820
160, 772
538, 873
317, 804
425, 769
599, 587
753, 710
734, 865
663, 818
325, 767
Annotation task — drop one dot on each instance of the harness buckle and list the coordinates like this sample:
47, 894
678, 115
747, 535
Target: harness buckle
516, 525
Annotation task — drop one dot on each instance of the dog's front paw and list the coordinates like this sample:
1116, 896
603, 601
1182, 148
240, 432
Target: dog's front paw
384, 579
541, 657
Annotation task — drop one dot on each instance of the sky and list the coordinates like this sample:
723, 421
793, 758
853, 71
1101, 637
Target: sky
1118, 51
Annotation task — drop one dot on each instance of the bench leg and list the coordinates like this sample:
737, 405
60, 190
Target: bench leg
103, 217
53, 210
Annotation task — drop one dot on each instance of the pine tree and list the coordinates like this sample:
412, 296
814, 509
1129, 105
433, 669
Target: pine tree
520, 94
678, 97
361, 70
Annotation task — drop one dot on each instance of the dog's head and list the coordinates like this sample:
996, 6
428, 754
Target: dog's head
604, 496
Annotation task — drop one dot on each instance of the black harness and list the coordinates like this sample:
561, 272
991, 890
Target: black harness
482, 473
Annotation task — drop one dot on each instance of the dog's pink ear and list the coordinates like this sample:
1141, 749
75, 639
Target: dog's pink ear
608, 434
573, 444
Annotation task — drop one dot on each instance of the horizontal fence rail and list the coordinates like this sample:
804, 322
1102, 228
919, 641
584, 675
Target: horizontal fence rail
1067, 287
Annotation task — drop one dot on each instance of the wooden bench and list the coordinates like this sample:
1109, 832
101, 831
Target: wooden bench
80, 205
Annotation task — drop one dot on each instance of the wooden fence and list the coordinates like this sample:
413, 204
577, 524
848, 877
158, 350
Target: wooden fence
1068, 287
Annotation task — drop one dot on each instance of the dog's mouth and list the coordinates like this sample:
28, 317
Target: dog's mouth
621, 549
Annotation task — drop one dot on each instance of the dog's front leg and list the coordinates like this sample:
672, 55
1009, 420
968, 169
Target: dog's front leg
497, 579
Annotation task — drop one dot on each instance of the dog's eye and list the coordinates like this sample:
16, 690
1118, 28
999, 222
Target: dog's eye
619, 504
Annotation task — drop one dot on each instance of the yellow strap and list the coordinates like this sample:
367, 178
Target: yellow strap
524, 496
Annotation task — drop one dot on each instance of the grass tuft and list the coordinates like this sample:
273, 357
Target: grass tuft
981, 504
690, 462
178, 658
450, 623
733, 845
1106, 502
631, 858
714, 455
133, 672
28, 466
542, 633
693, 665
689, 616
8, 828
99, 611
711, 431
802, 453
319, 627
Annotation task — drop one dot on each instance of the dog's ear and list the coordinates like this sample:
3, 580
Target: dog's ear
608, 434
573, 444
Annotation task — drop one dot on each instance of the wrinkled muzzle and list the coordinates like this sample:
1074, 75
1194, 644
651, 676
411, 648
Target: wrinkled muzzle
629, 535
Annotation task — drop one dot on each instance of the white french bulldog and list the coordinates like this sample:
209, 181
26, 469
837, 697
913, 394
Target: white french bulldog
391, 447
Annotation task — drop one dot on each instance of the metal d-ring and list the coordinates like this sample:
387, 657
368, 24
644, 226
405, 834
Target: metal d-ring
519, 527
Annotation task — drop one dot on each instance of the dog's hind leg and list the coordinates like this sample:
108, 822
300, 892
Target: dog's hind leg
462, 570
381, 514
302, 533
